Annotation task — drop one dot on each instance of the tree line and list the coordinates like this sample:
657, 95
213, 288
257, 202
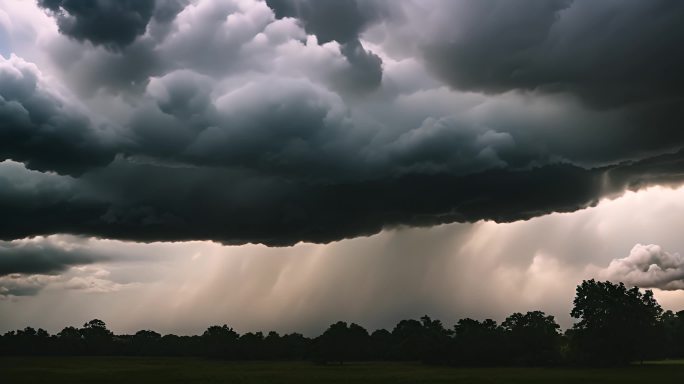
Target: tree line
614, 325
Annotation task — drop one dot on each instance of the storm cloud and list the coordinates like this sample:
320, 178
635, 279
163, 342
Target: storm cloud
113, 23
27, 266
608, 53
42, 128
46, 256
285, 121
342, 21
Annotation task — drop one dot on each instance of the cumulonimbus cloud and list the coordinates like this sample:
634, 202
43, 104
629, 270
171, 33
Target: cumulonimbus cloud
251, 121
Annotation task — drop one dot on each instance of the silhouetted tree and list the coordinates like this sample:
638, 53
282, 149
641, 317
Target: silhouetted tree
672, 334
616, 325
220, 342
342, 342
146, 343
534, 338
409, 343
295, 346
251, 346
437, 341
71, 341
479, 343
27, 341
97, 338
381, 343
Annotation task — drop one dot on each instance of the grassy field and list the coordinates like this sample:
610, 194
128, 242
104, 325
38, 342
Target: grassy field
150, 371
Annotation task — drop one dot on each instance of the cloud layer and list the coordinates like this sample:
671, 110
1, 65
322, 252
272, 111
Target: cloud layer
293, 120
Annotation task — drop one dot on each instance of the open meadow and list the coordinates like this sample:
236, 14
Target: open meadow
104, 370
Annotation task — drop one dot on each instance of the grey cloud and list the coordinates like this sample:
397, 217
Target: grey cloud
41, 256
154, 202
112, 23
339, 20
342, 21
17, 285
167, 10
27, 266
610, 53
648, 266
211, 46
451, 145
43, 129
83, 278
90, 71
271, 125
365, 71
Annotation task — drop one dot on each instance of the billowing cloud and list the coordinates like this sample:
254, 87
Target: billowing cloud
42, 256
62, 262
41, 127
609, 53
113, 23
648, 266
85, 279
39, 258
17, 285
342, 21
285, 121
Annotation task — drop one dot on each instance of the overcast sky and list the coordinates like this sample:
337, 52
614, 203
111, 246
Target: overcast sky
282, 164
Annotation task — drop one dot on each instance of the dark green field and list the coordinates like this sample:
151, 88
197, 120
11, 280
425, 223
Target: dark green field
143, 370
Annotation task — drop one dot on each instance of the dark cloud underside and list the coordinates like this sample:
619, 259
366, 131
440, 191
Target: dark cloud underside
40, 257
114, 23
153, 203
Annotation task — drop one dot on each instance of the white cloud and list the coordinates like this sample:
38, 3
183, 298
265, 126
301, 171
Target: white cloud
648, 266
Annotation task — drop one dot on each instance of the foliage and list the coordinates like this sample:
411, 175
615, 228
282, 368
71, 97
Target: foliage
616, 325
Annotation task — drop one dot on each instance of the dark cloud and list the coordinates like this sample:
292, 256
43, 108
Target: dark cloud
609, 53
149, 202
342, 21
112, 23
167, 10
41, 257
276, 126
43, 129
365, 72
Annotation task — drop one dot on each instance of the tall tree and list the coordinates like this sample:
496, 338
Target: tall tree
534, 338
616, 325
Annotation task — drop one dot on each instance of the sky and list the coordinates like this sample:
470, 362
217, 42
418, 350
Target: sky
283, 164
